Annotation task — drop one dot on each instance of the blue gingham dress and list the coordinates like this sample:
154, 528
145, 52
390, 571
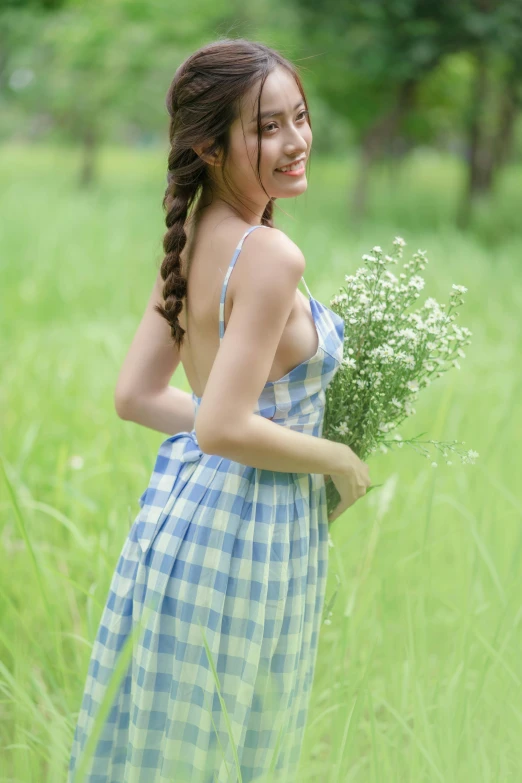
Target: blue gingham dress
242, 554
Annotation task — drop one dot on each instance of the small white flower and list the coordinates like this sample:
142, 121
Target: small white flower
342, 429
367, 257
461, 289
433, 464
416, 282
399, 241
412, 386
348, 362
76, 462
377, 249
409, 334
391, 276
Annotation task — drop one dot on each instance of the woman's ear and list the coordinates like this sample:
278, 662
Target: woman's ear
212, 158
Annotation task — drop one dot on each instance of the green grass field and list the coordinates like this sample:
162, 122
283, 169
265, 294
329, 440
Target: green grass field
419, 674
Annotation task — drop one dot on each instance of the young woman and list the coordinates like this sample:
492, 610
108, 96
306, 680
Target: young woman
228, 553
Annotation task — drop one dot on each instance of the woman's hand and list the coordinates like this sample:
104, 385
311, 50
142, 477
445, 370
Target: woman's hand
351, 486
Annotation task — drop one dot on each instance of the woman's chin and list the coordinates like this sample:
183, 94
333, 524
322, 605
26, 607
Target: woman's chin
292, 190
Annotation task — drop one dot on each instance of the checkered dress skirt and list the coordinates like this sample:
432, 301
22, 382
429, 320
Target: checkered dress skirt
227, 560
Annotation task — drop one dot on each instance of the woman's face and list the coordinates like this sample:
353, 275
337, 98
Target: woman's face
284, 139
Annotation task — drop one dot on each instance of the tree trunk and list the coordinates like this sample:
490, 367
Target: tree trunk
481, 158
376, 140
503, 144
88, 164
4, 61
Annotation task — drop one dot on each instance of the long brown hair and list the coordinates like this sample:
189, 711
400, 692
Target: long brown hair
203, 101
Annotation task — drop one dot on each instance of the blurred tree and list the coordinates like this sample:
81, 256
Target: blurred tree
12, 14
95, 64
492, 31
381, 53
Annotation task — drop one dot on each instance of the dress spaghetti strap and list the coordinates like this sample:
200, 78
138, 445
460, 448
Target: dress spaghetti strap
309, 292
227, 276
225, 282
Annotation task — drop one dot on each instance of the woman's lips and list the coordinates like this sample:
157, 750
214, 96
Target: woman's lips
293, 173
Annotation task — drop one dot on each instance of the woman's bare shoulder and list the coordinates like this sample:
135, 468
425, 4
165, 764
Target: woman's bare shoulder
275, 240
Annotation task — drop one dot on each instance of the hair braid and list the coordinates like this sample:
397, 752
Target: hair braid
176, 202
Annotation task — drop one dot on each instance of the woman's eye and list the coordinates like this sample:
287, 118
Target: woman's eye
304, 113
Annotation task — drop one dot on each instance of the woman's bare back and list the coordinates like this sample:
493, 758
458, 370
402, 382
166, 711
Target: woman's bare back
210, 247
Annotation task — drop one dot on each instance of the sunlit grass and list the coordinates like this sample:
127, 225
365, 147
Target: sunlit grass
418, 675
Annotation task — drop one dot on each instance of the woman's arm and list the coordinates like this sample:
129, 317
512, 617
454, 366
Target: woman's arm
266, 276
142, 391
261, 443
170, 411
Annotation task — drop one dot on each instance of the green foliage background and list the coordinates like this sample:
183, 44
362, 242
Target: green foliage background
419, 673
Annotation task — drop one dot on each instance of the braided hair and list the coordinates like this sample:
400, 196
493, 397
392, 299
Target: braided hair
203, 101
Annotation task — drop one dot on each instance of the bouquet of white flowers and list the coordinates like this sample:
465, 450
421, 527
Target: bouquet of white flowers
389, 355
